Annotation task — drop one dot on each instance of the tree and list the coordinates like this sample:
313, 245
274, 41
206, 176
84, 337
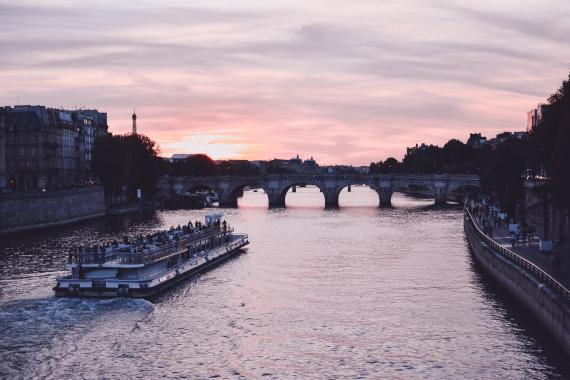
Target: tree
461, 158
423, 159
421, 162
129, 161
108, 163
455, 152
391, 165
236, 167
195, 165
143, 163
551, 140
503, 173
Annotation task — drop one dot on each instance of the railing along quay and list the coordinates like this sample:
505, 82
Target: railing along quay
543, 276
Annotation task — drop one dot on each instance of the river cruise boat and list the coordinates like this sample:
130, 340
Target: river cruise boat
149, 264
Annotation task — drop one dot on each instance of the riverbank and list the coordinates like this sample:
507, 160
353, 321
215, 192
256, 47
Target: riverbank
28, 211
526, 275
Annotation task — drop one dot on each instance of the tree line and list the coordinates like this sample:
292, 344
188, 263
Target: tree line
543, 152
454, 157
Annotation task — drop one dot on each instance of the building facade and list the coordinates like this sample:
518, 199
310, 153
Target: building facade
2, 148
534, 116
48, 148
476, 140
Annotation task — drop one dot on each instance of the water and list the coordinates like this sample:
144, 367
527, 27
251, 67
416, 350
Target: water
358, 292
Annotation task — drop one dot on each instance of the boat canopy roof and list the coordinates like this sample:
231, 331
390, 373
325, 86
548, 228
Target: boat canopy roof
213, 217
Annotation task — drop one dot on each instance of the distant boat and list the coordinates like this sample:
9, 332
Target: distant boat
213, 198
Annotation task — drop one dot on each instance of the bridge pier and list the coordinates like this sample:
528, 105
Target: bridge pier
385, 190
227, 199
440, 199
276, 198
331, 198
440, 187
385, 195
229, 204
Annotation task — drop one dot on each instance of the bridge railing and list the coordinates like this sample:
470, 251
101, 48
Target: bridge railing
396, 176
530, 267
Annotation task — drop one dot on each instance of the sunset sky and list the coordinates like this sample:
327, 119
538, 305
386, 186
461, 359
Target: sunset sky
343, 81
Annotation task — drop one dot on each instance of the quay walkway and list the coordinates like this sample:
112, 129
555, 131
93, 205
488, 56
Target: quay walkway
558, 270
531, 276
554, 264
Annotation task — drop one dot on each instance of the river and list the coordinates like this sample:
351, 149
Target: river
353, 293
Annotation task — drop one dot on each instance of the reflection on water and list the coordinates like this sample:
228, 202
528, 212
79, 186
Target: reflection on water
354, 292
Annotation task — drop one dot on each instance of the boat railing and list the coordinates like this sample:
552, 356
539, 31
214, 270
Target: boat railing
148, 256
530, 267
158, 253
194, 259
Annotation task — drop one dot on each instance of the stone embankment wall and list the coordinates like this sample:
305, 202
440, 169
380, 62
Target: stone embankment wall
545, 304
557, 219
29, 211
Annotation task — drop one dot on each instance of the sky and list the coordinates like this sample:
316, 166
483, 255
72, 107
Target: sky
343, 81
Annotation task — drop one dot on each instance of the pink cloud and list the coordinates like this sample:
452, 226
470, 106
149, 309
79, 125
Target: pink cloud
345, 83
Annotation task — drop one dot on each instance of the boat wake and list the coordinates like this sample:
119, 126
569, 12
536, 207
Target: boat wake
36, 334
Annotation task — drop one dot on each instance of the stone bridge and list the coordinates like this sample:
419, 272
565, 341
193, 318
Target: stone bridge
276, 186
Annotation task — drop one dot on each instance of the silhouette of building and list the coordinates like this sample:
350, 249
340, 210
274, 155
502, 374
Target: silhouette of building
504, 136
419, 149
180, 157
476, 140
50, 148
296, 164
535, 115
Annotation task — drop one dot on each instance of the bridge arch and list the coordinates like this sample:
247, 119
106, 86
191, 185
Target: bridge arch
278, 195
419, 189
193, 188
354, 182
229, 194
459, 192
464, 188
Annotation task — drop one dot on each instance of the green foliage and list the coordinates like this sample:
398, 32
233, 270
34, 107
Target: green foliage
277, 167
126, 161
391, 165
503, 172
454, 157
241, 167
551, 142
454, 152
195, 165
428, 161
107, 163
